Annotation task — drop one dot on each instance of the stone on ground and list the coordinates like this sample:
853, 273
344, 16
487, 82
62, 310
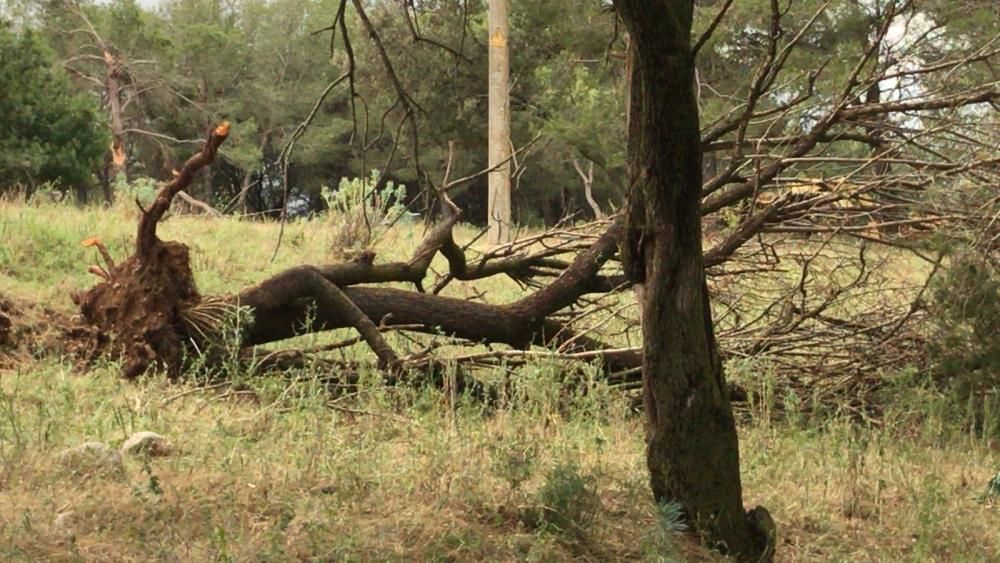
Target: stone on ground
92, 458
146, 443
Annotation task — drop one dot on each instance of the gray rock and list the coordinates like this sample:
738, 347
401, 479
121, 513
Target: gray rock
148, 443
64, 523
92, 457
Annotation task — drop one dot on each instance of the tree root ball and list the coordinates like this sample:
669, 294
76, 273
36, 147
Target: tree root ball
139, 305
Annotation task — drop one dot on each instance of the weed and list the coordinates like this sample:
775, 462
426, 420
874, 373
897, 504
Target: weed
992, 489
661, 544
567, 500
152, 490
140, 189
513, 461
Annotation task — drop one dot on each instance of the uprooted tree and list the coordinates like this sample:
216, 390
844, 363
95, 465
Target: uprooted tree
782, 257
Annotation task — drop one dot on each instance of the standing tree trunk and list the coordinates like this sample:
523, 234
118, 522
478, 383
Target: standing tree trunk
117, 159
692, 447
498, 206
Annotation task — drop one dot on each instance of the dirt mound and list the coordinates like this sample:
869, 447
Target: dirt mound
7, 309
28, 331
14, 331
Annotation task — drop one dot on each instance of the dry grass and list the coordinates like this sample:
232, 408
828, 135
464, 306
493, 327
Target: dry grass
273, 472
283, 476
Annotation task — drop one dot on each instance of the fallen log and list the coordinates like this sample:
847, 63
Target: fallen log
150, 305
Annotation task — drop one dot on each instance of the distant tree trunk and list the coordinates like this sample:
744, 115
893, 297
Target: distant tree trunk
117, 159
588, 186
692, 447
548, 217
82, 193
498, 207
241, 198
102, 178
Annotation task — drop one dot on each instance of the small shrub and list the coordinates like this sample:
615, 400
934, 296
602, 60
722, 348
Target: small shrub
48, 192
966, 308
661, 544
992, 489
141, 189
152, 490
361, 212
568, 501
514, 461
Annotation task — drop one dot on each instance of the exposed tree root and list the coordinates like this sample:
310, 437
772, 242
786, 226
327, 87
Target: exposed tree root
138, 302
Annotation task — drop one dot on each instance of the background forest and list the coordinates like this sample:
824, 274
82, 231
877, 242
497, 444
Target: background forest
180, 67
176, 67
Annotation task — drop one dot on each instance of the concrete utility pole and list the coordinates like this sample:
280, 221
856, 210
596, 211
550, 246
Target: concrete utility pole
499, 129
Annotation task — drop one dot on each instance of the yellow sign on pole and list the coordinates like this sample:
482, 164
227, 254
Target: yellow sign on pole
498, 39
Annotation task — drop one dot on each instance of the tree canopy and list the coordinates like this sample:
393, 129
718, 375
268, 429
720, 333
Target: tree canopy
52, 131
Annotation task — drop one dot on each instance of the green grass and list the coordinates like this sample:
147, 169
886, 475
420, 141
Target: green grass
274, 472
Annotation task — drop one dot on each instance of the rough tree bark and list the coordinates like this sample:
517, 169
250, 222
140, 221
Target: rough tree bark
692, 446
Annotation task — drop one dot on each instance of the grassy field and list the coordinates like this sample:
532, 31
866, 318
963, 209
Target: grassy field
270, 469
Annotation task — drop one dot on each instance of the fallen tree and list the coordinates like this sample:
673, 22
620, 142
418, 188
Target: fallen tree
151, 306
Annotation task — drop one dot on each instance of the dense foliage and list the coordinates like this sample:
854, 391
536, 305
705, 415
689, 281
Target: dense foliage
263, 65
51, 132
